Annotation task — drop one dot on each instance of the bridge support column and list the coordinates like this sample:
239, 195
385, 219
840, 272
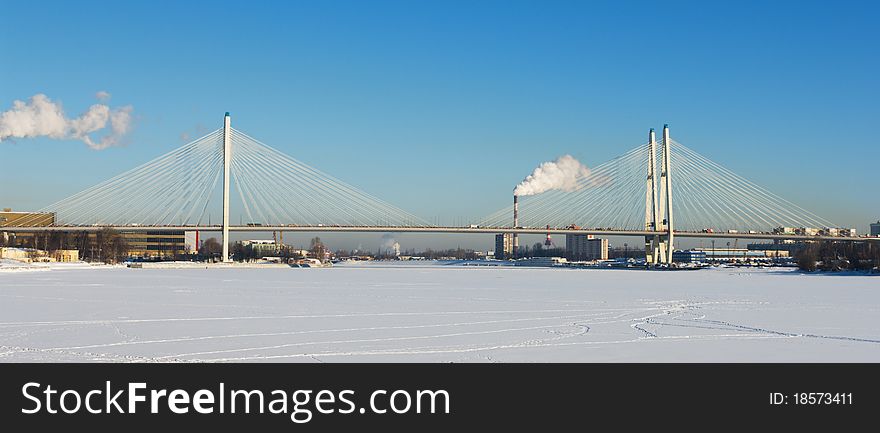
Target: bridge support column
652, 243
667, 198
227, 157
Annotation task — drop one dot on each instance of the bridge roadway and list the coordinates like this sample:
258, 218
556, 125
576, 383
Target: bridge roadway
461, 230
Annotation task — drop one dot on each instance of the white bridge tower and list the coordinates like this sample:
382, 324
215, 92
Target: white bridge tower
227, 157
658, 208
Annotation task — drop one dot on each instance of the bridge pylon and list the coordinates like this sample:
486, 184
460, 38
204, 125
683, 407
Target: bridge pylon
658, 208
666, 177
652, 243
227, 157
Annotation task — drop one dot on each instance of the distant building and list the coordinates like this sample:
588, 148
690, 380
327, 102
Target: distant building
875, 228
191, 242
21, 254
65, 256
780, 249
29, 255
689, 256
504, 246
585, 247
152, 244
145, 244
261, 247
155, 243
8, 218
742, 254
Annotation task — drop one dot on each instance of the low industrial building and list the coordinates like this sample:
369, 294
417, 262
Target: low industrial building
155, 244
8, 218
779, 248
146, 244
29, 255
689, 256
66, 256
741, 254
20, 254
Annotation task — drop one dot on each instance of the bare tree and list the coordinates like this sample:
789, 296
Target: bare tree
807, 258
211, 247
112, 247
317, 248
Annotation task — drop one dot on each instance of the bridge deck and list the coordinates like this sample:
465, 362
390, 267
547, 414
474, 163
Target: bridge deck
460, 230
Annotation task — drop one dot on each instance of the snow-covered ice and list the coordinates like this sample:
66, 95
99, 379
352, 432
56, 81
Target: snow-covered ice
434, 313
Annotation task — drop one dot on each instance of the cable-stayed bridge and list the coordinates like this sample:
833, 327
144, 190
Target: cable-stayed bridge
631, 195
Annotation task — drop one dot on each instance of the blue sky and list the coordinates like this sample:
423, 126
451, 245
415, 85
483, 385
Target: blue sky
442, 107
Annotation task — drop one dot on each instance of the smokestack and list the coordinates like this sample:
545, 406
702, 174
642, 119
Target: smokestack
516, 211
515, 223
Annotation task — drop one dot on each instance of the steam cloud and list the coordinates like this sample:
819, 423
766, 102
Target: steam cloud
389, 244
561, 174
41, 117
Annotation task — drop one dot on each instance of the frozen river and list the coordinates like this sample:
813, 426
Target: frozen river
436, 313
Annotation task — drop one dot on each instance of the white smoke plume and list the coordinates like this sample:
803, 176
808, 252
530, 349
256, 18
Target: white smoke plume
390, 245
561, 174
42, 117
